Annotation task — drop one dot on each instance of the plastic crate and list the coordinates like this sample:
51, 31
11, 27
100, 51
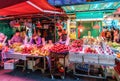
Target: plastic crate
82, 67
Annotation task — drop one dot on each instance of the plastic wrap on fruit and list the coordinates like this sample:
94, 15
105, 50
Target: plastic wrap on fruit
60, 48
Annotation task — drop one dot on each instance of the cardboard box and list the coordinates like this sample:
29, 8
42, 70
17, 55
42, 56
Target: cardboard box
31, 63
10, 64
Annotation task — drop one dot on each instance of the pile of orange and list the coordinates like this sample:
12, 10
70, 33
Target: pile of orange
118, 55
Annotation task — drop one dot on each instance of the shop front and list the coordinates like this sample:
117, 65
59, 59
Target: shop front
46, 39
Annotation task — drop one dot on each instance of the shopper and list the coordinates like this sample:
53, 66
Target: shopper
16, 38
116, 35
103, 34
108, 35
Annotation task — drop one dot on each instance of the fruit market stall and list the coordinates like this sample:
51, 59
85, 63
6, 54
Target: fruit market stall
24, 52
58, 52
3, 39
91, 57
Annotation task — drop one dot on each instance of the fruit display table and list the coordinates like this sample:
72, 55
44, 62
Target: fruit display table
25, 51
92, 58
85, 64
25, 57
19, 56
58, 52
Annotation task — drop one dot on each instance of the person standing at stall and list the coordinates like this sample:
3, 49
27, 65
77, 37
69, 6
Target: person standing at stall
108, 35
116, 35
36, 40
24, 36
64, 38
50, 34
16, 38
103, 34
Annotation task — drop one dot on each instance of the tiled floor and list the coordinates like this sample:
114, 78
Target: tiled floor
18, 75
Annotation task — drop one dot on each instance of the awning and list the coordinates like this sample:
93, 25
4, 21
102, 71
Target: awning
22, 7
102, 7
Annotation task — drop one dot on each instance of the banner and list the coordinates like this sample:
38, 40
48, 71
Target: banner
65, 2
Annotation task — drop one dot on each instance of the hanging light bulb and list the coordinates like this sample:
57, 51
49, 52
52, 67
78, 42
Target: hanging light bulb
96, 26
81, 30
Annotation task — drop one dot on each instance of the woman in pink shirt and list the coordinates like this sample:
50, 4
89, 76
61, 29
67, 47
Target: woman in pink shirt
16, 38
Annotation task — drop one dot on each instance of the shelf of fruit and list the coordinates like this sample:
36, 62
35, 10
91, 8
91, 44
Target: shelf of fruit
93, 53
60, 49
31, 49
114, 46
1, 46
78, 46
118, 57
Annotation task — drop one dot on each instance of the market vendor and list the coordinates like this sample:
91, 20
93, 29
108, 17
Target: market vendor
16, 38
63, 39
36, 39
24, 35
108, 35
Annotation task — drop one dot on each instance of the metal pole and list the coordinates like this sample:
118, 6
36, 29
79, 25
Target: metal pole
55, 27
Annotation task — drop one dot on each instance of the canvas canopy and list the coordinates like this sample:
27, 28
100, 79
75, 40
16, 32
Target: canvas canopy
23, 7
